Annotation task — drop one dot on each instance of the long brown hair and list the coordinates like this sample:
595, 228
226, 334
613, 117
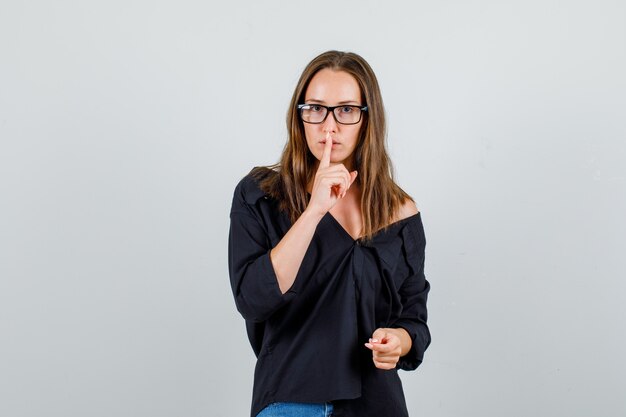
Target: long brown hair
287, 181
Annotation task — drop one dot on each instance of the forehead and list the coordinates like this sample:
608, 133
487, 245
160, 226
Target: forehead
330, 86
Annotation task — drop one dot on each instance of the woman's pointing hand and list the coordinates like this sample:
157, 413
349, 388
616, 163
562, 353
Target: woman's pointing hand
331, 181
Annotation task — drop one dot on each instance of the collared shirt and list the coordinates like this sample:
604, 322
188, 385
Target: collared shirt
309, 342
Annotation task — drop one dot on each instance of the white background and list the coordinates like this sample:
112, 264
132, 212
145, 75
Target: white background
125, 125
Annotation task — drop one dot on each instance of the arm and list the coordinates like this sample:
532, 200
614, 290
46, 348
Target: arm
261, 276
414, 296
252, 277
331, 184
288, 254
404, 343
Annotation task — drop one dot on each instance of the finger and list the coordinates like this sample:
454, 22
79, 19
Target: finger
378, 348
384, 366
382, 348
379, 334
328, 146
338, 180
340, 169
353, 175
349, 181
387, 359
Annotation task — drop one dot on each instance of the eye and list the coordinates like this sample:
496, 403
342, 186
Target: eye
347, 109
315, 108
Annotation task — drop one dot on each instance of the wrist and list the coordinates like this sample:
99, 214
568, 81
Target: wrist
311, 214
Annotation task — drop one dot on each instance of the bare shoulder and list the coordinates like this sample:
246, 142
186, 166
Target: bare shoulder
407, 209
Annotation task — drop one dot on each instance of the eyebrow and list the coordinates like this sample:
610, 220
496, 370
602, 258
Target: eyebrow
314, 100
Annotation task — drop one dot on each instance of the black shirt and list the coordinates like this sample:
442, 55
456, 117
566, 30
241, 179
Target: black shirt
309, 342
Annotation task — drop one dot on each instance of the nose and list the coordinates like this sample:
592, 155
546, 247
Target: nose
330, 124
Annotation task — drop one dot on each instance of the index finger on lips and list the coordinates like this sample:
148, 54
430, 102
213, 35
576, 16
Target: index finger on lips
328, 146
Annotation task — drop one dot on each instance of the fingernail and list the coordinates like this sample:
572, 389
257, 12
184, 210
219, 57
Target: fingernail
373, 340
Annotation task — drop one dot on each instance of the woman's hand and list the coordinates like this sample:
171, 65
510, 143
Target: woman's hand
331, 182
388, 346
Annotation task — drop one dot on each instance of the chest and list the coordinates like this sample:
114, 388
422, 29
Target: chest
348, 214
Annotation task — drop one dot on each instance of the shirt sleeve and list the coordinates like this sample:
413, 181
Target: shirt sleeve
414, 295
252, 276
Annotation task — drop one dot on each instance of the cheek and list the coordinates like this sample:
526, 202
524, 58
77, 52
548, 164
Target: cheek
308, 134
354, 137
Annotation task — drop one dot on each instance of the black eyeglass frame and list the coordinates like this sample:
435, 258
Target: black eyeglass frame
329, 110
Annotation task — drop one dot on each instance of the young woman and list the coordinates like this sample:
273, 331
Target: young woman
326, 256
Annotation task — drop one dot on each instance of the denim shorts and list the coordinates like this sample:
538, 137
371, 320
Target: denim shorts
297, 410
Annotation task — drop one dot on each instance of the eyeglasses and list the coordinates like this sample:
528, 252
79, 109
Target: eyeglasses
345, 115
